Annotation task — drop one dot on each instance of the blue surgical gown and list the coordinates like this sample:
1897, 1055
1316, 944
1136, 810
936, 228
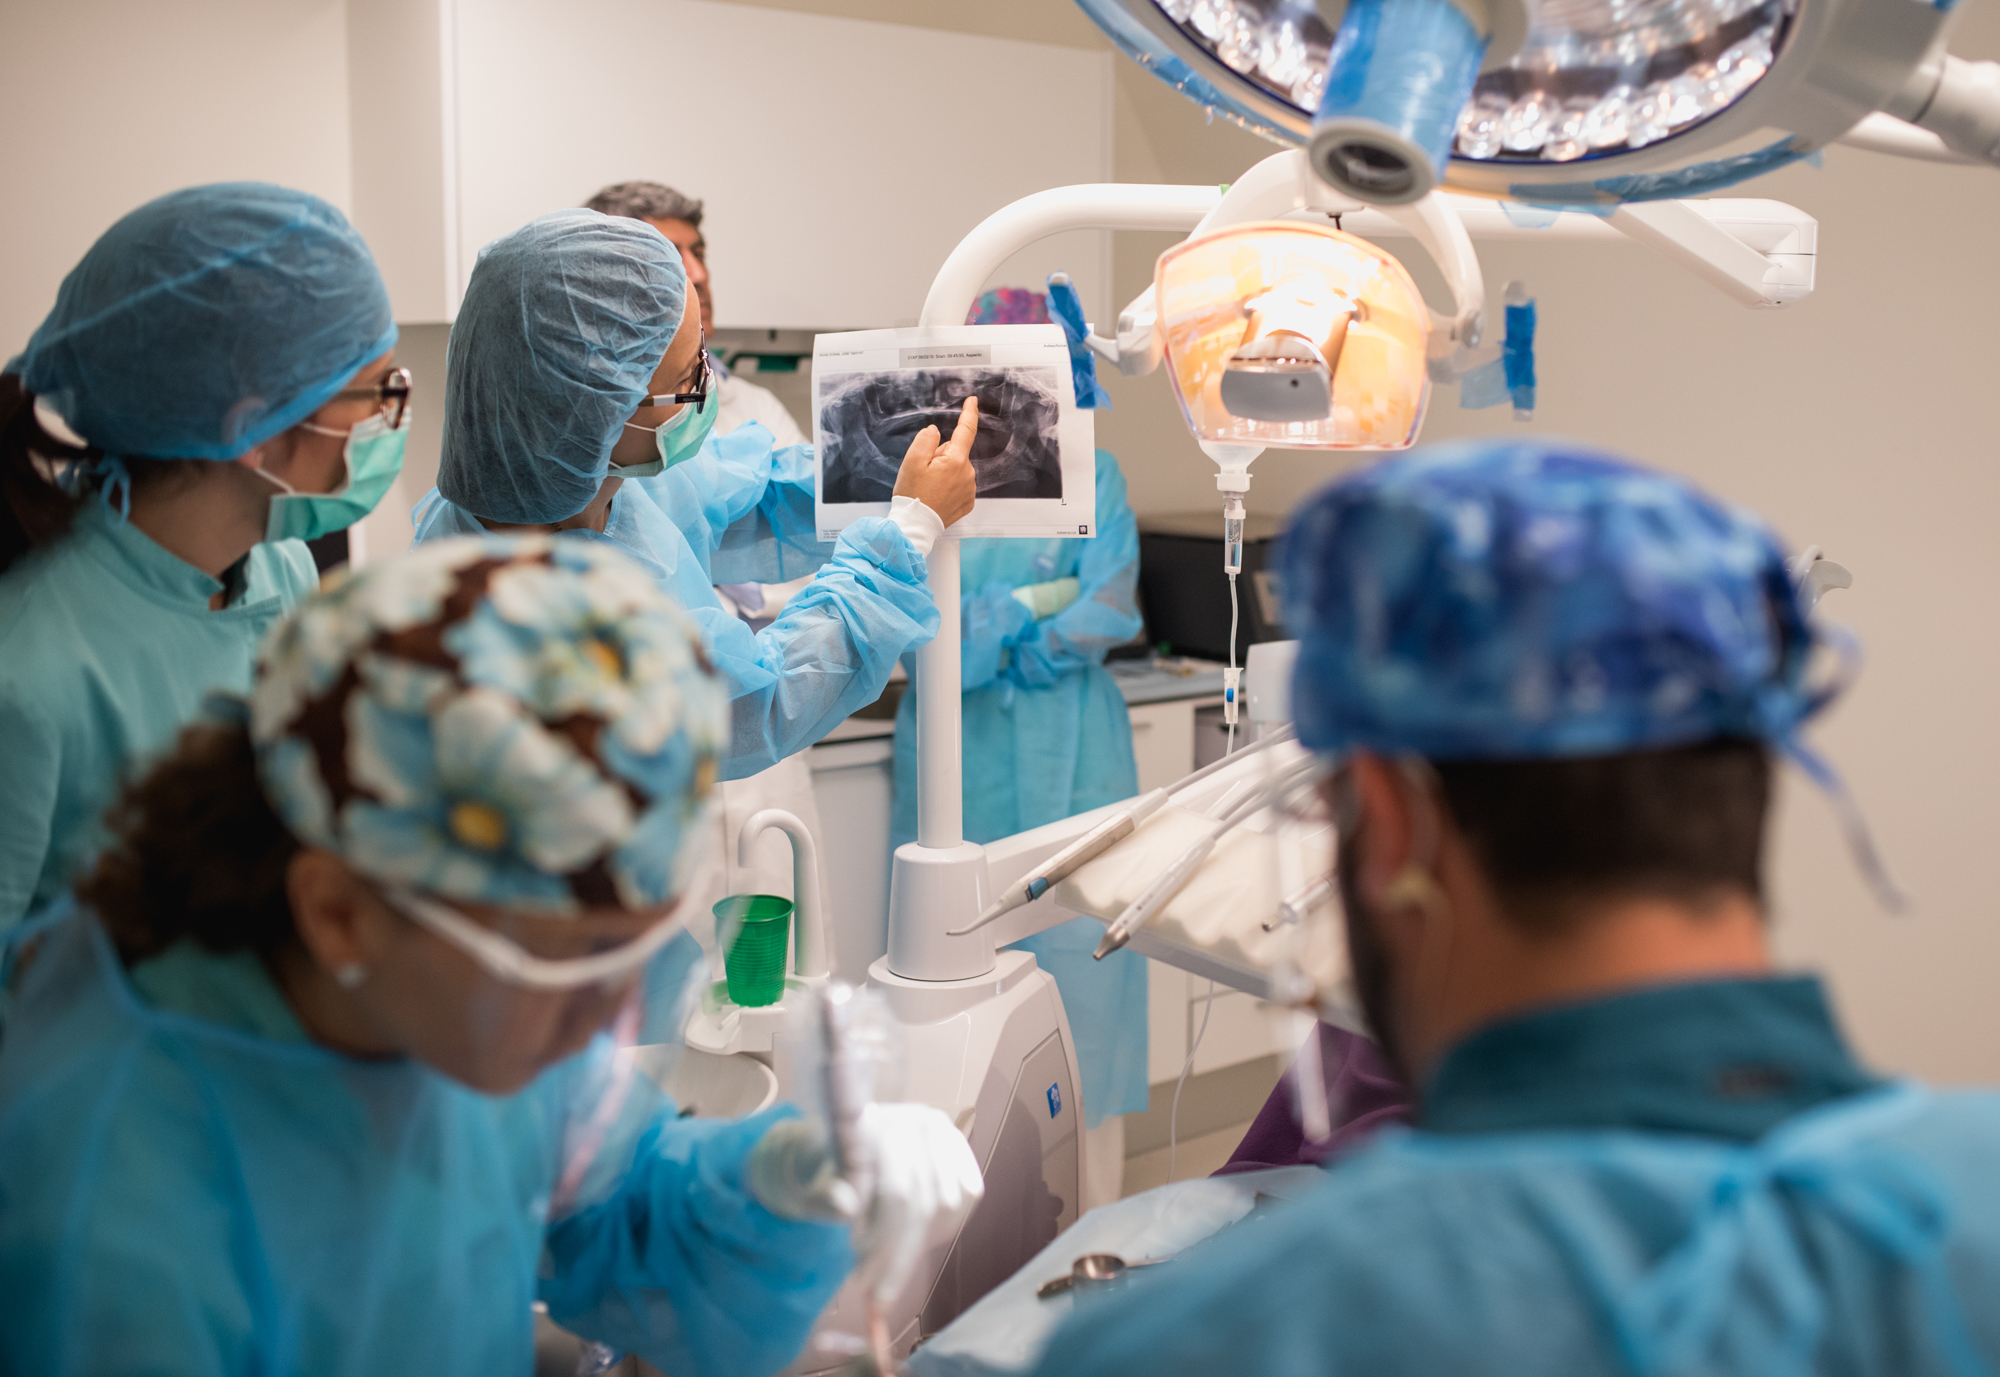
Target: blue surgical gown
1046, 737
107, 647
742, 512
195, 1190
1689, 1179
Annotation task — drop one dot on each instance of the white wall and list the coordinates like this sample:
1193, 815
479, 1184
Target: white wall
841, 160
830, 206
106, 104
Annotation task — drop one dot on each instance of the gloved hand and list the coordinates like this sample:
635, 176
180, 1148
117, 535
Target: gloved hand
1044, 600
990, 622
924, 1173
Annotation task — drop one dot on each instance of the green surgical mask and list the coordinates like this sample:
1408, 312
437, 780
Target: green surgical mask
374, 457
678, 439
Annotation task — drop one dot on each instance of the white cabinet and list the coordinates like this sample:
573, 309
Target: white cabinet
1163, 740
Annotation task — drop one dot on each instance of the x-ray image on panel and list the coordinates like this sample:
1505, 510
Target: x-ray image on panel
869, 420
875, 390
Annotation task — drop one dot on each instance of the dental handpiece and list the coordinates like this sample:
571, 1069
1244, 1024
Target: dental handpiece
1156, 895
1294, 909
1102, 838
1141, 910
846, 1097
1070, 859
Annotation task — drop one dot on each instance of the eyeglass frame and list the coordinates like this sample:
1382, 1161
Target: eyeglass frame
510, 963
395, 386
704, 375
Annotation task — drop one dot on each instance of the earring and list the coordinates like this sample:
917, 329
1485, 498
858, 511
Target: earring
350, 976
1414, 887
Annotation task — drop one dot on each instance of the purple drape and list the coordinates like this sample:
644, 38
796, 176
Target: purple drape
1362, 1094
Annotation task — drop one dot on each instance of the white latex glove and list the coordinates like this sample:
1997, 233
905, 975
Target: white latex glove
925, 1177
925, 1173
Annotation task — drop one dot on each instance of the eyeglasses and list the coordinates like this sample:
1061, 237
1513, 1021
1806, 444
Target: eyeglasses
506, 960
698, 394
391, 396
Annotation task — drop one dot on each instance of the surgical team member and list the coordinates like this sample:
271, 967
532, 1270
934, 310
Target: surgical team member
225, 354
788, 783
679, 218
315, 1077
578, 400
1047, 736
1549, 688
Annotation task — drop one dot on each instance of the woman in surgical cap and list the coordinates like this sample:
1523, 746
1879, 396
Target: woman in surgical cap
318, 1074
578, 400
216, 384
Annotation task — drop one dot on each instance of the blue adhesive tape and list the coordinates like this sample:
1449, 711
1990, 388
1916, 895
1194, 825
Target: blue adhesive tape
1518, 356
1407, 65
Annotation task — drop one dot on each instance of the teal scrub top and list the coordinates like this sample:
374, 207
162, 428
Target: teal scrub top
107, 647
1691, 1178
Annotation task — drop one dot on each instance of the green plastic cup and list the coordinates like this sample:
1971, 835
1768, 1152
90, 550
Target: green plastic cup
755, 964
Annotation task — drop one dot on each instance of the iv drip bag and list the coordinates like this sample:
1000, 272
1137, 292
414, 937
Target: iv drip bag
1293, 336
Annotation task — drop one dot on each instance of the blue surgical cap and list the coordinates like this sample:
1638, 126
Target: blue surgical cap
562, 327
1512, 599
207, 321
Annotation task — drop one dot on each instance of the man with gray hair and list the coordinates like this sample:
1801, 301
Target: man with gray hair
679, 218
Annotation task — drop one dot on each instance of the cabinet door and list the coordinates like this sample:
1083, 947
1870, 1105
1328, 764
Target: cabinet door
853, 782
1163, 742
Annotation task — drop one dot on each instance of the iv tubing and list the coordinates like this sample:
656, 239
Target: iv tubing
1174, 1115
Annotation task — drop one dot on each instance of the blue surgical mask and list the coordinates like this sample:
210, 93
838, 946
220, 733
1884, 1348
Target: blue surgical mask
678, 439
374, 457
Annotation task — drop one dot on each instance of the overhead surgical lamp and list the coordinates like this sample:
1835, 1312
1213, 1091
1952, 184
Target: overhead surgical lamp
1293, 334
1568, 102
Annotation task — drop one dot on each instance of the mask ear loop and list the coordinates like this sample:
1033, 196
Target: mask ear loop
1414, 886
1310, 1096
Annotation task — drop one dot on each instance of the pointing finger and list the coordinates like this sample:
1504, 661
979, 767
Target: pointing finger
967, 429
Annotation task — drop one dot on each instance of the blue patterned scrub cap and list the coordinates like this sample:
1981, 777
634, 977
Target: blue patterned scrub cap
207, 321
1490, 599
1519, 599
563, 324
523, 722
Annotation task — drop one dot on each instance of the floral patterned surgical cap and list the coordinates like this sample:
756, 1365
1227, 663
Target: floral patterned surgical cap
523, 722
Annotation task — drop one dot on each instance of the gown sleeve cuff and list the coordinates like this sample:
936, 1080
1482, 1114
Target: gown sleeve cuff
922, 526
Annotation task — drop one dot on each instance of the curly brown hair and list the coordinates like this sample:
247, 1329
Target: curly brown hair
196, 852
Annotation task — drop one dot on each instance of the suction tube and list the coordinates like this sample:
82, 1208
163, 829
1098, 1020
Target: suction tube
1399, 74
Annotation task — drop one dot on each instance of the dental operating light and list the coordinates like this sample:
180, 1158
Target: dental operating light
1293, 334
1566, 102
